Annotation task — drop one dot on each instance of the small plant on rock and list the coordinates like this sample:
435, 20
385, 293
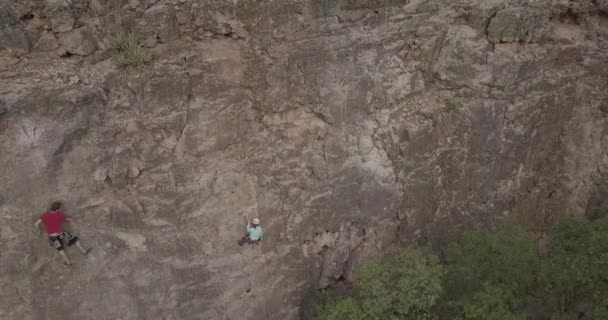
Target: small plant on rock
129, 53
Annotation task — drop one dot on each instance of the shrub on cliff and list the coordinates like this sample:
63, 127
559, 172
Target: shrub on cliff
502, 276
403, 285
575, 275
328, 306
129, 53
490, 274
491, 303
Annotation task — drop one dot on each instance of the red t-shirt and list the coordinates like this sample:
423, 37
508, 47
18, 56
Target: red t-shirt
53, 221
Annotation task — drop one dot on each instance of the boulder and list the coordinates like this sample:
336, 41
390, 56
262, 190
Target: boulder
517, 25
81, 41
6, 19
46, 42
15, 40
159, 25
60, 15
103, 7
100, 174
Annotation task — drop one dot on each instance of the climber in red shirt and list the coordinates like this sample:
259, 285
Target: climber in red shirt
53, 223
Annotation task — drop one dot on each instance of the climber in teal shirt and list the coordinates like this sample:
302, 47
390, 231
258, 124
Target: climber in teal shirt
254, 233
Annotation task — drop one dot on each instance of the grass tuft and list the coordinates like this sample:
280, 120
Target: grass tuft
129, 53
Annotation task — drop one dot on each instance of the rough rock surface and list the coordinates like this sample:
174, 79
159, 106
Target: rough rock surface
79, 41
517, 24
346, 126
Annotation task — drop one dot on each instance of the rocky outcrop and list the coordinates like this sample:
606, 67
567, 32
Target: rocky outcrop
517, 24
14, 41
80, 41
61, 17
348, 127
159, 25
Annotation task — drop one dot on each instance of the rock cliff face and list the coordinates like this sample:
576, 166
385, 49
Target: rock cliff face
347, 126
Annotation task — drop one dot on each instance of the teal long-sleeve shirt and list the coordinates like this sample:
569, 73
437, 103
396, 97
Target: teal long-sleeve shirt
255, 233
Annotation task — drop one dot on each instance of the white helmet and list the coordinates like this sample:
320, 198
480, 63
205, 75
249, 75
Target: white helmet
255, 221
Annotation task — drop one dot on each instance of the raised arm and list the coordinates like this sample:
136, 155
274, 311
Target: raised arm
37, 225
248, 225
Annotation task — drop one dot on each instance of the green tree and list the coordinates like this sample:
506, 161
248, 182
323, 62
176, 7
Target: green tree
502, 268
341, 308
575, 276
404, 285
491, 303
489, 276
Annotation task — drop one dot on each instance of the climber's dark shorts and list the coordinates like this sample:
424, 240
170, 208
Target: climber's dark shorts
62, 240
245, 240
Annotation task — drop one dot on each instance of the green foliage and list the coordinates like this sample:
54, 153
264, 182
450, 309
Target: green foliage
129, 54
335, 307
491, 303
576, 273
502, 276
488, 276
506, 260
405, 285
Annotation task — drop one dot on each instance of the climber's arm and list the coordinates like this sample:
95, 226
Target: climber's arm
248, 226
71, 220
37, 225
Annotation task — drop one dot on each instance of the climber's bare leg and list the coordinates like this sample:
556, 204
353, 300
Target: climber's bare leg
81, 247
63, 255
